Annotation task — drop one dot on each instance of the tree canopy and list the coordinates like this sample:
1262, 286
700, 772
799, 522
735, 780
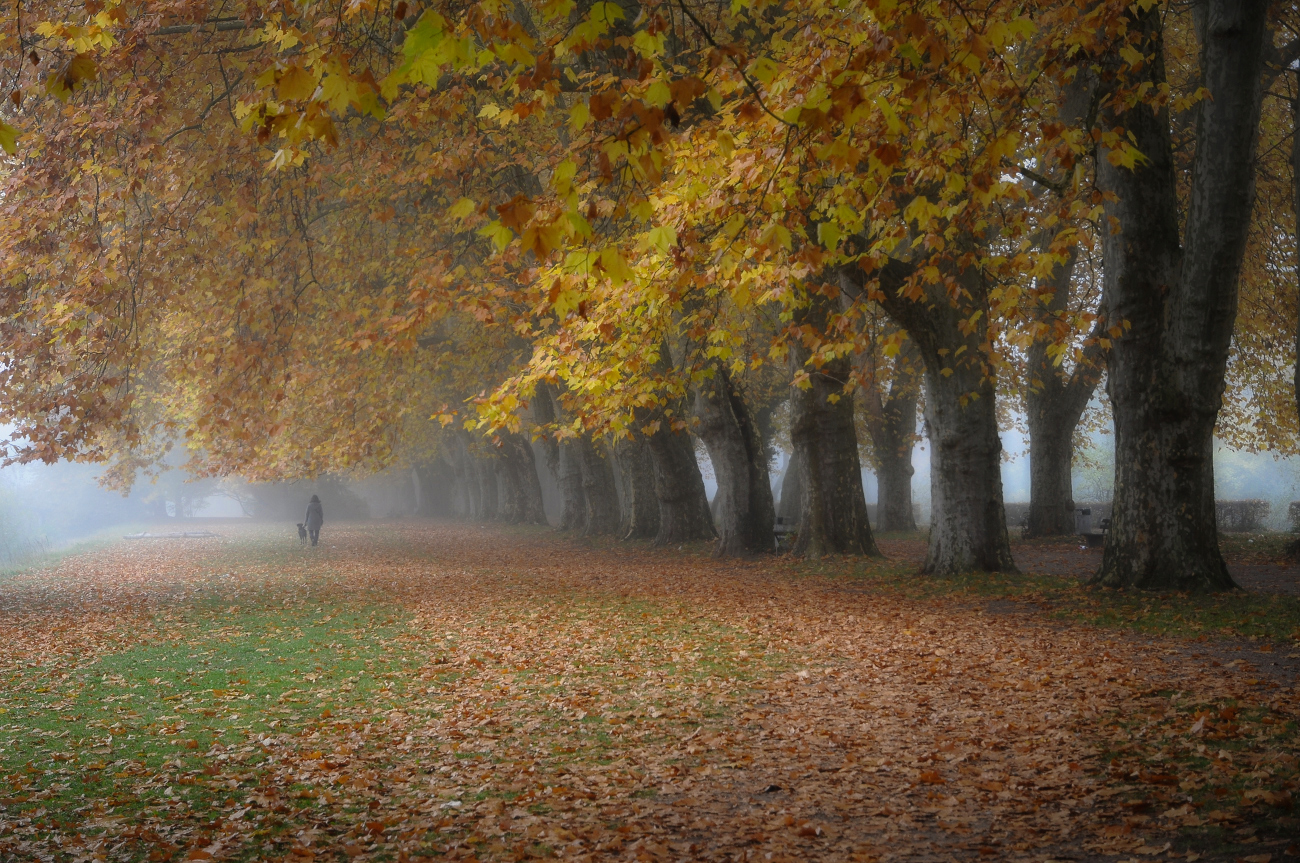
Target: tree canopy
305, 236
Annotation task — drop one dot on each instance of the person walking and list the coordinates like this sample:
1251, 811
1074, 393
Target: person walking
315, 518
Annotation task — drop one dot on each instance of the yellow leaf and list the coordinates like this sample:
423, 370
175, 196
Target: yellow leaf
8, 138
828, 234
647, 45
659, 94
562, 176
579, 116
891, 119
611, 260
338, 91
662, 238
461, 208
607, 13
776, 234
764, 69
498, 233
513, 52
295, 83
726, 144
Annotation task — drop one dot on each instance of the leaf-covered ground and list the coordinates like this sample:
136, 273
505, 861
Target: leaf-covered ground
438, 691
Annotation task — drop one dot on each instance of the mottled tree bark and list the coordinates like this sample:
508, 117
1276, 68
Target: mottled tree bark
489, 488
562, 461
1054, 402
574, 514
467, 477
1295, 210
598, 488
968, 528
522, 500
1179, 296
790, 510
825, 442
679, 487
640, 506
745, 513
891, 422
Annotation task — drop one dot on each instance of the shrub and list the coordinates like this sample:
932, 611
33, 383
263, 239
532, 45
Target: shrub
1241, 516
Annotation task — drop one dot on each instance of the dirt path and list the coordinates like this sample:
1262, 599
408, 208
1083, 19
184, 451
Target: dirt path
1071, 559
555, 700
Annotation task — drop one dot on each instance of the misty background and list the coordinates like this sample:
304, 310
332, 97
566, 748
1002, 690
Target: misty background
46, 509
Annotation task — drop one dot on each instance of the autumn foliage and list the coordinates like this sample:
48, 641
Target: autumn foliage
298, 237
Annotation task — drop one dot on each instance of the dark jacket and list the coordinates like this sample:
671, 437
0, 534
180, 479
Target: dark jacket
315, 515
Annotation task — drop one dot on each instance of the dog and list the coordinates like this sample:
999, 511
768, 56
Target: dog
302, 534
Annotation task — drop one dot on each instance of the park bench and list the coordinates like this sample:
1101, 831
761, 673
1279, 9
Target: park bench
1093, 535
784, 531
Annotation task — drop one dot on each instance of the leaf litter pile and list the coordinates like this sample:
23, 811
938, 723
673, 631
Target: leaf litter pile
438, 691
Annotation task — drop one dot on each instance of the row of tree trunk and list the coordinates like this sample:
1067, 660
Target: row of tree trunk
649, 486
490, 483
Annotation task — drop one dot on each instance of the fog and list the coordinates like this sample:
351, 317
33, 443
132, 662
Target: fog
48, 508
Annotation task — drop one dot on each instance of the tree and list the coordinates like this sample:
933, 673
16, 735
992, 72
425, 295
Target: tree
477, 199
1175, 290
640, 505
967, 522
1055, 399
888, 405
745, 507
833, 509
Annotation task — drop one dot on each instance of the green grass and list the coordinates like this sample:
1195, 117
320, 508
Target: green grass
1260, 546
92, 542
239, 675
172, 731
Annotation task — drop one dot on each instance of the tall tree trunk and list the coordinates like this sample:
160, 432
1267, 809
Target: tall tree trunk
825, 442
562, 461
509, 501
534, 507
640, 506
894, 509
417, 488
1166, 373
1051, 488
1054, 403
1295, 213
744, 508
598, 488
1055, 400
891, 422
679, 487
574, 514
523, 490
968, 529
467, 475
489, 488
791, 509
439, 483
